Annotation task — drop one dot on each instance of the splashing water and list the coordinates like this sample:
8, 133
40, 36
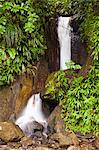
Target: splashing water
32, 112
64, 41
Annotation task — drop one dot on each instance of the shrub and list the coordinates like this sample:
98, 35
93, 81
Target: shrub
22, 38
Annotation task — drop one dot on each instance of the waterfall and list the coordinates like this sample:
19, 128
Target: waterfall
64, 40
32, 112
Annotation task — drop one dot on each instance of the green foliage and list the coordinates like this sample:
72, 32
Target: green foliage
80, 100
72, 65
22, 42
81, 107
58, 7
21, 38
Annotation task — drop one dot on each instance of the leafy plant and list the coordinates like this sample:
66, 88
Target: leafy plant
80, 97
72, 65
57, 85
21, 37
81, 106
80, 102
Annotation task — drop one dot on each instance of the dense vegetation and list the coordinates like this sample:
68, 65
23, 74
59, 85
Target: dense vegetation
79, 97
22, 41
21, 38
81, 107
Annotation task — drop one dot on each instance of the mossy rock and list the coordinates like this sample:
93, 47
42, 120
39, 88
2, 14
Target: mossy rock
52, 82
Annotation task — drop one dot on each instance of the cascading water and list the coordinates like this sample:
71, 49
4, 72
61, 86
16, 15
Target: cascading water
32, 112
64, 41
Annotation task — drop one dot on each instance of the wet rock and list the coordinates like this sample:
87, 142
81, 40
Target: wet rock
38, 134
97, 141
55, 121
32, 128
37, 126
10, 132
26, 88
78, 49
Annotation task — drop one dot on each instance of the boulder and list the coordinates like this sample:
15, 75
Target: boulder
9, 132
56, 123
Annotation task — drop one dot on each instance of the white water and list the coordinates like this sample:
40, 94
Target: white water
32, 112
64, 41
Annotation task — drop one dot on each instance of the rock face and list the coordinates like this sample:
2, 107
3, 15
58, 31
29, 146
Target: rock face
31, 85
14, 97
10, 132
41, 76
79, 54
55, 122
8, 97
26, 88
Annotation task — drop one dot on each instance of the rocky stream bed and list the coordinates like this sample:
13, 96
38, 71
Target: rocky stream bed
12, 137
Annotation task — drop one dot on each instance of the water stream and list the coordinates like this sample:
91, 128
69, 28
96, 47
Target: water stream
32, 112
64, 41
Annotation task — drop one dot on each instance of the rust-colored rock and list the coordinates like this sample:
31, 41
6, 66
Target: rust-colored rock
8, 95
10, 132
26, 88
14, 97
